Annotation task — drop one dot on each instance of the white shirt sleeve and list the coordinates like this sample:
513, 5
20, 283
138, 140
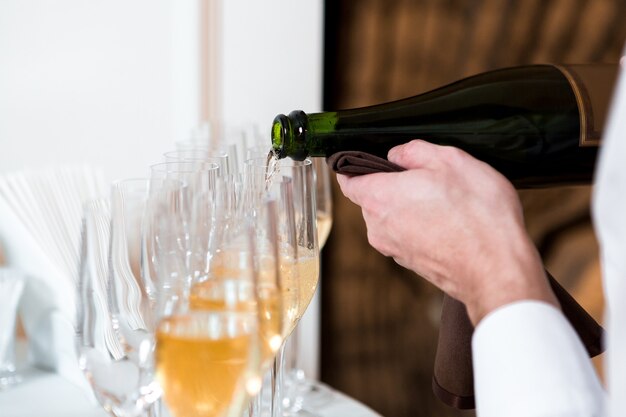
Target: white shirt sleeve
529, 362
609, 215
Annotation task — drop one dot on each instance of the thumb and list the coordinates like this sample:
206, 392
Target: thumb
415, 154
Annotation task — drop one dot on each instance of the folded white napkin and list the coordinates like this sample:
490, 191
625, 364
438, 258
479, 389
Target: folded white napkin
11, 286
40, 221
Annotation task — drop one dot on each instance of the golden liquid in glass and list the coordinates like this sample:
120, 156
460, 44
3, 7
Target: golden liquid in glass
200, 369
237, 295
302, 280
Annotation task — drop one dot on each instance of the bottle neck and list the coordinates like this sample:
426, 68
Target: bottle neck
289, 134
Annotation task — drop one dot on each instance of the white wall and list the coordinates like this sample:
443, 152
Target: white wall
115, 83
271, 58
107, 83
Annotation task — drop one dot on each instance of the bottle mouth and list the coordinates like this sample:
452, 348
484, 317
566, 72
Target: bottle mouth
279, 127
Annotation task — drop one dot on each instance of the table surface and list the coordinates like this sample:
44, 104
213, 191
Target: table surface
46, 394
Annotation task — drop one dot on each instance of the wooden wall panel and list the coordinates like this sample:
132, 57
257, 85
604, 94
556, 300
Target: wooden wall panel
380, 321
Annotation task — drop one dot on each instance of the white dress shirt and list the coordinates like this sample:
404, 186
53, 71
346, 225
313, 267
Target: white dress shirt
528, 361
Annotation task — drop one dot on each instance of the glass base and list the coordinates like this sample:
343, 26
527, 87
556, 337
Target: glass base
304, 396
7, 380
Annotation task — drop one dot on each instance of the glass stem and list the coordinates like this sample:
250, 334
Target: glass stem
254, 407
294, 342
154, 410
277, 383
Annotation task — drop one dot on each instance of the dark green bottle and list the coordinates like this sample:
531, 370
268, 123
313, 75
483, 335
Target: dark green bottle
539, 125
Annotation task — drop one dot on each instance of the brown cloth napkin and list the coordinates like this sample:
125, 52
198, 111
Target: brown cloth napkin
453, 378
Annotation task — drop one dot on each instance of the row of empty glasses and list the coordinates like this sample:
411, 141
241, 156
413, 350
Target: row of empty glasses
192, 278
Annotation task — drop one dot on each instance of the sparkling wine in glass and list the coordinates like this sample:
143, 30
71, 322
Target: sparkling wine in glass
305, 392
205, 359
300, 276
297, 179
210, 347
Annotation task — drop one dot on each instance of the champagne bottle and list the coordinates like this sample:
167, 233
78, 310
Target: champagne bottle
538, 125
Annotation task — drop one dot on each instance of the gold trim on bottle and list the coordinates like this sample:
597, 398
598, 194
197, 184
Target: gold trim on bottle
584, 108
581, 101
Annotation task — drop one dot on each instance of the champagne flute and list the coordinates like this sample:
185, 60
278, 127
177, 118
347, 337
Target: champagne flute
131, 290
272, 249
308, 393
280, 196
299, 177
166, 239
196, 177
114, 327
302, 276
210, 348
99, 351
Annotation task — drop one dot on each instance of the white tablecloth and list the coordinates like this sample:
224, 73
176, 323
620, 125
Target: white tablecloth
44, 394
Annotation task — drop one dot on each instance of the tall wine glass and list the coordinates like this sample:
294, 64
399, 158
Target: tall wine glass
211, 346
198, 178
99, 351
300, 178
272, 250
166, 243
278, 194
302, 276
306, 393
114, 326
131, 296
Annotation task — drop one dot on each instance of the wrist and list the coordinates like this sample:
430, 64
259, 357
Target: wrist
523, 278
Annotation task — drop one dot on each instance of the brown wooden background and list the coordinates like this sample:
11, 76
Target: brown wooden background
380, 321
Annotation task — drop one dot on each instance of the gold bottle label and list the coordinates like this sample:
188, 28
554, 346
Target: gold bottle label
593, 88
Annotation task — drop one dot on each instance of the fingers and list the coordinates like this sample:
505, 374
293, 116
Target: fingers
342, 180
353, 187
414, 154
367, 190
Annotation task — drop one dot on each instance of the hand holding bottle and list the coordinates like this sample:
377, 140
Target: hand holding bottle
455, 221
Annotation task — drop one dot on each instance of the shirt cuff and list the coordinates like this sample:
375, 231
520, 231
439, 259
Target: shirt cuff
528, 361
